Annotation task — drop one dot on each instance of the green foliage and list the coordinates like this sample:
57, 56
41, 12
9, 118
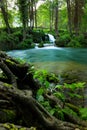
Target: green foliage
74, 86
45, 77
43, 15
63, 40
38, 36
69, 111
74, 43
77, 41
27, 43
39, 95
58, 113
61, 92
83, 112
60, 95
70, 90
42, 77
7, 41
74, 108
18, 34
41, 44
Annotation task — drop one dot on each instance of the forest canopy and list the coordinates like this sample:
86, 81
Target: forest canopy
71, 15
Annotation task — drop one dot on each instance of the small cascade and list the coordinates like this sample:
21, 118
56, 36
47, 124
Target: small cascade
36, 45
49, 45
51, 38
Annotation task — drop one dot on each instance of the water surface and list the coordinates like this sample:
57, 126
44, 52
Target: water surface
54, 59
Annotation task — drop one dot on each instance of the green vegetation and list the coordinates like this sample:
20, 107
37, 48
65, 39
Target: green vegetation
41, 92
68, 24
21, 26
69, 94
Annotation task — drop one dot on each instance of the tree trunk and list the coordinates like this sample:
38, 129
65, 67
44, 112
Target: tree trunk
35, 15
31, 14
69, 16
56, 19
5, 16
76, 18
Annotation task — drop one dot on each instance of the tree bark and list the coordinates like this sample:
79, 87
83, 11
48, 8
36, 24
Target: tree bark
69, 16
5, 15
76, 17
27, 104
56, 18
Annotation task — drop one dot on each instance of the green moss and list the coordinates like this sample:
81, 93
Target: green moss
6, 126
22, 128
32, 128
9, 61
10, 126
7, 85
13, 127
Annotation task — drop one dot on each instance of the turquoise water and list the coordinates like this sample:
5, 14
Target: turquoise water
54, 59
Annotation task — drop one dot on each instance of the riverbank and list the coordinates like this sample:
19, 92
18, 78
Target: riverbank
42, 94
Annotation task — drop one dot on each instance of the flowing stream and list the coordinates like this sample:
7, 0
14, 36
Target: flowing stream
54, 59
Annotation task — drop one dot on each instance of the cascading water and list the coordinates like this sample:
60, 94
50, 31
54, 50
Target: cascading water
51, 38
49, 45
52, 42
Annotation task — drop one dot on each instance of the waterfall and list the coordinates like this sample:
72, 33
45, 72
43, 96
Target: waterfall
50, 44
51, 38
